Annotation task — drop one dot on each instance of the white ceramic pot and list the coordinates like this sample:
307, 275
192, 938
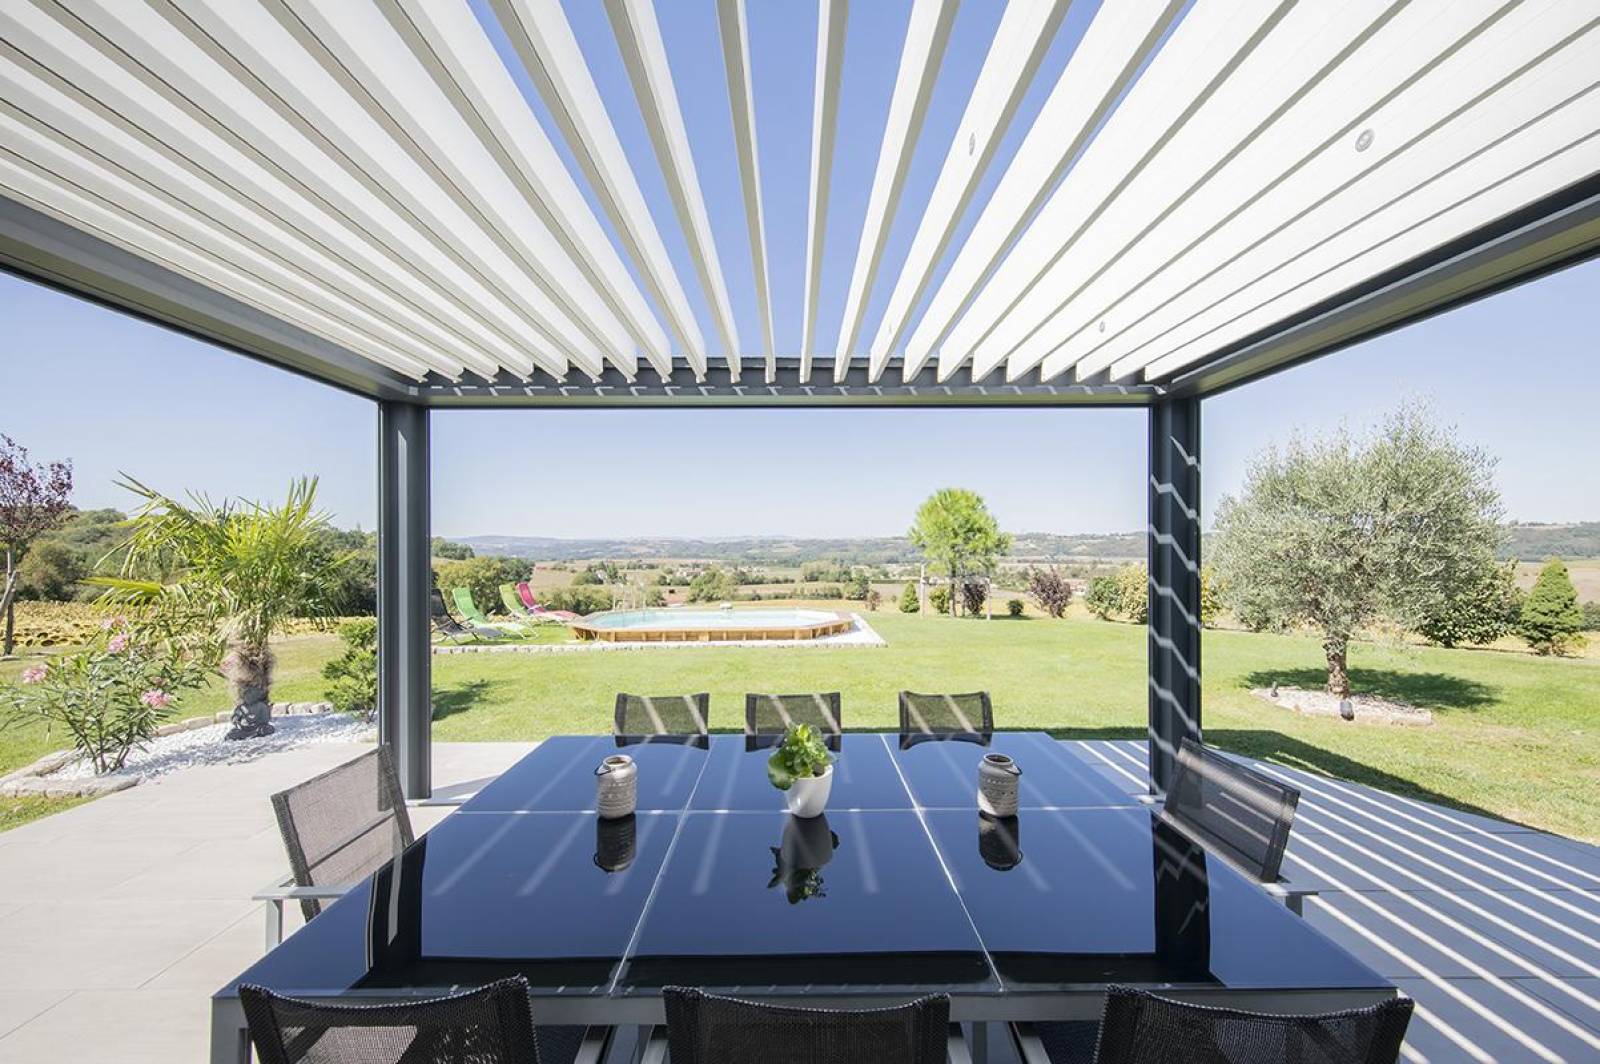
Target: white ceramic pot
808, 795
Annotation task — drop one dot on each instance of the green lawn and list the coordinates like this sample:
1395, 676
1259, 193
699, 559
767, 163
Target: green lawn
1516, 736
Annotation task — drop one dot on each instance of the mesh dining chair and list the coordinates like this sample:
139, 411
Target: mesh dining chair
1138, 1027
706, 1029
773, 714
662, 714
966, 716
1231, 809
343, 825
491, 1025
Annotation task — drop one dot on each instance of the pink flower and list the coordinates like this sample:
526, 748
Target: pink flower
156, 698
113, 622
35, 674
119, 643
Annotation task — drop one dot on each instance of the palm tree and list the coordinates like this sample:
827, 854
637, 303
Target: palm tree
250, 566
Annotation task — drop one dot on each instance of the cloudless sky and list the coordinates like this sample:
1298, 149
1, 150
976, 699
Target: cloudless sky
1517, 373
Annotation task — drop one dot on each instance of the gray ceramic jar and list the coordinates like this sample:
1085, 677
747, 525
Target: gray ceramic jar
616, 787
997, 785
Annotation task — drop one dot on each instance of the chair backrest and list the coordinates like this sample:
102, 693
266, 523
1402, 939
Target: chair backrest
948, 715
706, 1029
773, 714
525, 593
508, 595
491, 1025
439, 611
662, 714
1236, 811
343, 825
1140, 1028
467, 604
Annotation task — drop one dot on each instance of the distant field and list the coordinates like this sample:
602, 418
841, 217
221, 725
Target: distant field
1585, 576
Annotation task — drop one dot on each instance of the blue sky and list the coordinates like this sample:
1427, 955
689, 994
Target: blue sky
1516, 373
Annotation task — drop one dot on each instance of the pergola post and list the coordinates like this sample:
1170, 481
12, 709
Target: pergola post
1174, 547
404, 581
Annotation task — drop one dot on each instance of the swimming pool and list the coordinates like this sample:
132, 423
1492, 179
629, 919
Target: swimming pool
710, 625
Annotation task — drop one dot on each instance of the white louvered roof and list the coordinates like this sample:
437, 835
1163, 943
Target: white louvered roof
1042, 192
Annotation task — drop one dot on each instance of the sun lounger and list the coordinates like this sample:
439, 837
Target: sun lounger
525, 593
469, 609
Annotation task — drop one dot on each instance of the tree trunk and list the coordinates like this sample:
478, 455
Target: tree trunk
249, 673
1336, 648
8, 606
955, 596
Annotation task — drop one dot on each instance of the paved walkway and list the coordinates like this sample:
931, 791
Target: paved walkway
119, 918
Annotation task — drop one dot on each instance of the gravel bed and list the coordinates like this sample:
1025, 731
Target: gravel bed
1369, 709
206, 746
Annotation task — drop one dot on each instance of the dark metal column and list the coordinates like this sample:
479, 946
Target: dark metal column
1174, 545
404, 580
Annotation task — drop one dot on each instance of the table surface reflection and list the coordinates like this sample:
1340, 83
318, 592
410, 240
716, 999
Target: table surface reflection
901, 886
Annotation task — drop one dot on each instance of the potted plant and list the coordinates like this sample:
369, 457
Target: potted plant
802, 767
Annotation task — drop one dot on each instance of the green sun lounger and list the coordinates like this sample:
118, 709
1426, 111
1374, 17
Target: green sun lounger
469, 610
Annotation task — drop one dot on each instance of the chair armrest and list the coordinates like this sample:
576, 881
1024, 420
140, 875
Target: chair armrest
287, 890
1029, 1047
1148, 799
1285, 889
596, 1044
425, 803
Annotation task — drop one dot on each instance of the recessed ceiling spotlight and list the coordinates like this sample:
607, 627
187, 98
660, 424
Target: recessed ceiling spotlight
1364, 140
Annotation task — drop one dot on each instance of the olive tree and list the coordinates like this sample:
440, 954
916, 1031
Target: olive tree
1341, 532
956, 532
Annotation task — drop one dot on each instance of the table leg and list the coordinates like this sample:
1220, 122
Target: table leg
274, 911
230, 1037
980, 1042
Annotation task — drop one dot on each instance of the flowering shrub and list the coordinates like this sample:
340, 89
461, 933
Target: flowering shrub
111, 695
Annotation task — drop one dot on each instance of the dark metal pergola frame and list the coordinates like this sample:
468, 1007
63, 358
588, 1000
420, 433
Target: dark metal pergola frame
1548, 235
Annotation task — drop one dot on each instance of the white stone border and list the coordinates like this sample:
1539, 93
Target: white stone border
30, 779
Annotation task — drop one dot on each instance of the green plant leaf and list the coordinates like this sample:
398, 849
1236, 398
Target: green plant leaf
778, 771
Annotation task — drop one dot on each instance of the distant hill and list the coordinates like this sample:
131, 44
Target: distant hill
1528, 542
1535, 542
780, 550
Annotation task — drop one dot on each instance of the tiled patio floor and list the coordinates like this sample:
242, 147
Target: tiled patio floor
119, 918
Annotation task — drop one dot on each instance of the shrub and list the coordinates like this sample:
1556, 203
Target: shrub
582, 599
1591, 616
1210, 596
482, 576
1133, 592
908, 599
873, 599
974, 593
1050, 590
939, 599
113, 694
655, 597
1014, 607
858, 587
712, 585
354, 673
1551, 620
1101, 597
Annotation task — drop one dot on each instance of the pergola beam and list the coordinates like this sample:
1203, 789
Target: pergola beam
733, 26
920, 59
1118, 42
1173, 628
405, 582
832, 17
644, 54
544, 41
1019, 46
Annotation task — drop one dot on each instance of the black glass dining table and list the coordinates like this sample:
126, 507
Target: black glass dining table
902, 887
